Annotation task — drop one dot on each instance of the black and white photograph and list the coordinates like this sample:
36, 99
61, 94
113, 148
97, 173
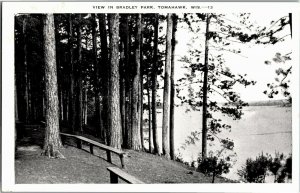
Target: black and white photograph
152, 93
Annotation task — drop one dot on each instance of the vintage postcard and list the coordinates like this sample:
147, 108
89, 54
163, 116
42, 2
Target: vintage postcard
150, 96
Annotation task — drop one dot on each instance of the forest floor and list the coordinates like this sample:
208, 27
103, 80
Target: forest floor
79, 166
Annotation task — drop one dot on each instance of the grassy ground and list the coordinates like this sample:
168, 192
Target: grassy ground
82, 167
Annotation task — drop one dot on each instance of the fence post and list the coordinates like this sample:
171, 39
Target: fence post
91, 148
113, 178
79, 144
122, 161
108, 156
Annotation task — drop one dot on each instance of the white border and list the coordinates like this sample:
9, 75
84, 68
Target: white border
11, 8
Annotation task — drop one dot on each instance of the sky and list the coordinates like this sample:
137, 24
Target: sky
252, 61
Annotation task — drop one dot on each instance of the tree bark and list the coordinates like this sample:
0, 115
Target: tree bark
60, 81
127, 141
60, 102
52, 142
141, 110
114, 89
156, 146
141, 93
136, 135
97, 83
26, 93
72, 100
123, 75
80, 87
122, 91
172, 97
205, 82
128, 107
105, 72
85, 105
29, 113
149, 113
165, 123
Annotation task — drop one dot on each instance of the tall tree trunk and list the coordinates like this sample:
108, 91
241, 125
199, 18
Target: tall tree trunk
97, 83
149, 113
205, 82
165, 123
59, 64
128, 107
128, 82
142, 111
123, 78
44, 105
29, 113
136, 135
141, 93
85, 105
114, 89
172, 97
26, 93
105, 72
122, 90
60, 102
72, 100
154, 88
80, 87
86, 87
52, 141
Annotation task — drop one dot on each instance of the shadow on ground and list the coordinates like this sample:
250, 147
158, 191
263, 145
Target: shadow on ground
79, 166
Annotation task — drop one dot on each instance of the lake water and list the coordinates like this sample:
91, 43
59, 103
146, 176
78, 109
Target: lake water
266, 129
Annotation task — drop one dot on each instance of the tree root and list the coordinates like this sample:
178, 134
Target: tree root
51, 153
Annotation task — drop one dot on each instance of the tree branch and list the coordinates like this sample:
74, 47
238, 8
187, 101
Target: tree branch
288, 71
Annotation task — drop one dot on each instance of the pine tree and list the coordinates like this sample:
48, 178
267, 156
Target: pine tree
172, 92
136, 135
165, 124
213, 77
156, 149
105, 74
79, 112
52, 142
26, 93
127, 140
114, 85
72, 103
204, 88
